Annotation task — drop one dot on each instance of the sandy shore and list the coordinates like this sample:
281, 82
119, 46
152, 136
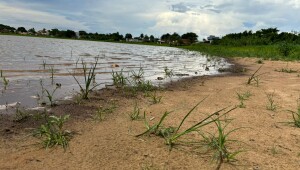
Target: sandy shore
111, 143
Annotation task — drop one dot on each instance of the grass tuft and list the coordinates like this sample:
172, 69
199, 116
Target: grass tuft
52, 133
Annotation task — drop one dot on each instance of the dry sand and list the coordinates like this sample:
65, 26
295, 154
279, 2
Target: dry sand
111, 144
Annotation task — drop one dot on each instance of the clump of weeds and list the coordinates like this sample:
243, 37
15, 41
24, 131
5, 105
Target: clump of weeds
218, 143
255, 78
101, 112
89, 78
135, 114
171, 134
119, 80
53, 133
242, 97
260, 61
155, 98
296, 117
271, 105
50, 96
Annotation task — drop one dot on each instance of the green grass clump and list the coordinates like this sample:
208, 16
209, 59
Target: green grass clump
286, 70
119, 80
242, 97
296, 117
271, 102
50, 96
219, 142
171, 134
135, 114
155, 98
89, 78
255, 78
52, 133
5, 82
101, 112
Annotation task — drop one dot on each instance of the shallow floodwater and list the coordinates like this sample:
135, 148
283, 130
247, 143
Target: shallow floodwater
27, 63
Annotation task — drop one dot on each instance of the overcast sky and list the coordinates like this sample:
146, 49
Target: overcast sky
204, 17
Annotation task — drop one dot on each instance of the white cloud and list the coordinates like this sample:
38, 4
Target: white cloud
17, 16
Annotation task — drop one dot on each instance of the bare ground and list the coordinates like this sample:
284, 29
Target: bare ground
266, 142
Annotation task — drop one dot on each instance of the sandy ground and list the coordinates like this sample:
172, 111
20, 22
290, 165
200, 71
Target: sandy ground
266, 142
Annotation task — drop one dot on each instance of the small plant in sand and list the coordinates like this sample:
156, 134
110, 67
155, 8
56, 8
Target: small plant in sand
296, 117
168, 73
119, 80
89, 76
218, 143
1, 73
255, 78
286, 70
260, 61
52, 133
135, 114
172, 134
242, 97
101, 112
155, 98
271, 102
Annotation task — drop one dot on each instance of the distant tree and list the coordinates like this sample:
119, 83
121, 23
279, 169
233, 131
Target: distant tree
54, 32
146, 38
165, 37
70, 34
21, 29
152, 38
142, 36
82, 33
6, 28
32, 31
128, 36
192, 37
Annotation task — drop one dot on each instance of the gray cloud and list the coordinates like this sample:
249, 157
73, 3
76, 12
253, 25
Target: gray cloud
156, 17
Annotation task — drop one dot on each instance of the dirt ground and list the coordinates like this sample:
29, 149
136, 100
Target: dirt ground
265, 140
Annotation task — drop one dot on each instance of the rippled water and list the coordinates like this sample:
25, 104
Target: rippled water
26, 62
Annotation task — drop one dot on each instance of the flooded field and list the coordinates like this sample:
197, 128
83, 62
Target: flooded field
28, 64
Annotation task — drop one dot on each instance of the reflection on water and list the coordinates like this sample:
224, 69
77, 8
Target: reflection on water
28, 64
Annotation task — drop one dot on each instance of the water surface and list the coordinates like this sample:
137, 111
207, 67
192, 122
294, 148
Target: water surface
28, 63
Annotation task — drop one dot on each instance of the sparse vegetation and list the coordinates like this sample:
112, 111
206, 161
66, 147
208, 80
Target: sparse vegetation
155, 98
119, 80
296, 117
242, 98
219, 143
271, 102
5, 82
101, 112
52, 133
135, 114
255, 77
50, 96
89, 76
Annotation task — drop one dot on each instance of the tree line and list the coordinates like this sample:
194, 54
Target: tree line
267, 36
171, 39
